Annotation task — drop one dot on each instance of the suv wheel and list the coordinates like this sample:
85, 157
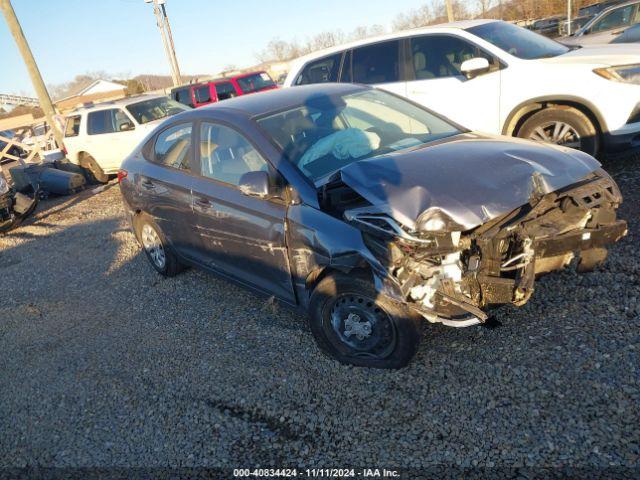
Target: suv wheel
94, 173
156, 248
562, 126
354, 324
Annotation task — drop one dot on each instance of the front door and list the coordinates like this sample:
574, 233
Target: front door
438, 83
241, 236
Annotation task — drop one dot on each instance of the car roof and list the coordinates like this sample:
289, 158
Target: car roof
442, 28
273, 100
115, 103
217, 80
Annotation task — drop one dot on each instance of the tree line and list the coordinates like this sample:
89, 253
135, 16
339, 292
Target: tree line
430, 13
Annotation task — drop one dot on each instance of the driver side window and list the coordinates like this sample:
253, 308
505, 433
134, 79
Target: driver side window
225, 155
441, 56
620, 17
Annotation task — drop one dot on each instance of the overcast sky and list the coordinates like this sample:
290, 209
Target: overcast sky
71, 37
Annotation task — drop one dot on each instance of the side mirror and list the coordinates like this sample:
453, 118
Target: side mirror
126, 126
474, 67
256, 184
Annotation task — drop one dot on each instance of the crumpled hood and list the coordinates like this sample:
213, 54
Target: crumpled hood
471, 178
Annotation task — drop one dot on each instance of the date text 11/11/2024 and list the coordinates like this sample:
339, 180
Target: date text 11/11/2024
315, 473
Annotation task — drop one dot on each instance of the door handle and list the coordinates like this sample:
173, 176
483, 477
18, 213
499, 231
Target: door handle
148, 184
204, 202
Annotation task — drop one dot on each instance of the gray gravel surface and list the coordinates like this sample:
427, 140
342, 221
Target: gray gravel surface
105, 363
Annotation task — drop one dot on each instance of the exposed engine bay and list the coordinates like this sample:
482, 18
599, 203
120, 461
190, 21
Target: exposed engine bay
452, 276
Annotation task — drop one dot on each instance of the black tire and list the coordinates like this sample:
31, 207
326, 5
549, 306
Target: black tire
93, 171
580, 132
170, 266
394, 331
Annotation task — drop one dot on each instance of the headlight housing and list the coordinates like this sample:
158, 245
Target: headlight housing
621, 73
436, 221
4, 186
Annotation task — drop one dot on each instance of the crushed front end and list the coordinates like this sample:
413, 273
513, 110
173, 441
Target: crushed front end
452, 276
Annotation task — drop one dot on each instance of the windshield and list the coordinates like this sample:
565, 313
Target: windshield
255, 82
518, 41
155, 109
328, 133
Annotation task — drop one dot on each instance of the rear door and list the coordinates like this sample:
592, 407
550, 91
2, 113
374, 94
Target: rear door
437, 82
378, 64
110, 137
241, 236
166, 182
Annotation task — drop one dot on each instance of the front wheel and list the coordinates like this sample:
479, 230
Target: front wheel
564, 126
354, 324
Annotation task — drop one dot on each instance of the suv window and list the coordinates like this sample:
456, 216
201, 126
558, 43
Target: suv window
320, 71
72, 128
173, 147
378, 63
620, 17
106, 121
203, 94
184, 96
440, 56
225, 90
226, 155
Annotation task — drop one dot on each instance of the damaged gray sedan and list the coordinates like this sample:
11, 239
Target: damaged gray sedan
366, 211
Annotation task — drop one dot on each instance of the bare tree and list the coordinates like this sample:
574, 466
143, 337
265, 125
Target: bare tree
484, 6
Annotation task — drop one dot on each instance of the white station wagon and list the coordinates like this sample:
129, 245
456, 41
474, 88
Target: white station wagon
99, 137
496, 77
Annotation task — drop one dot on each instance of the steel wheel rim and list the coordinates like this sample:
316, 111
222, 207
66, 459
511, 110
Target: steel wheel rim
356, 323
153, 246
559, 133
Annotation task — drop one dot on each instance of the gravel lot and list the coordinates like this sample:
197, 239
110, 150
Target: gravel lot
104, 363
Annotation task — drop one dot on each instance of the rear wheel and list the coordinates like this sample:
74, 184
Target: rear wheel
156, 248
354, 324
564, 126
94, 172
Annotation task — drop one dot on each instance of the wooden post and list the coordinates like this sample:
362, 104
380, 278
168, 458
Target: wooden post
450, 15
32, 68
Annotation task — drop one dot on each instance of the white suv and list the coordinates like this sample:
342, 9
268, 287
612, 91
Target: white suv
496, 77
99, 137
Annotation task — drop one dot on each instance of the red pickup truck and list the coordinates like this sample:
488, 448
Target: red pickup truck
199, 94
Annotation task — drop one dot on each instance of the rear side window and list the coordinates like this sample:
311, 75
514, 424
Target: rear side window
106, 121
320, 71
203, 94
72, 128
184, 96
225, 90
173, 147
378, 63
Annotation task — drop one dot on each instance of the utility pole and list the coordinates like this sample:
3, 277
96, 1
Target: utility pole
162, 21
569, 17
450, 15
171, 46
32, 68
